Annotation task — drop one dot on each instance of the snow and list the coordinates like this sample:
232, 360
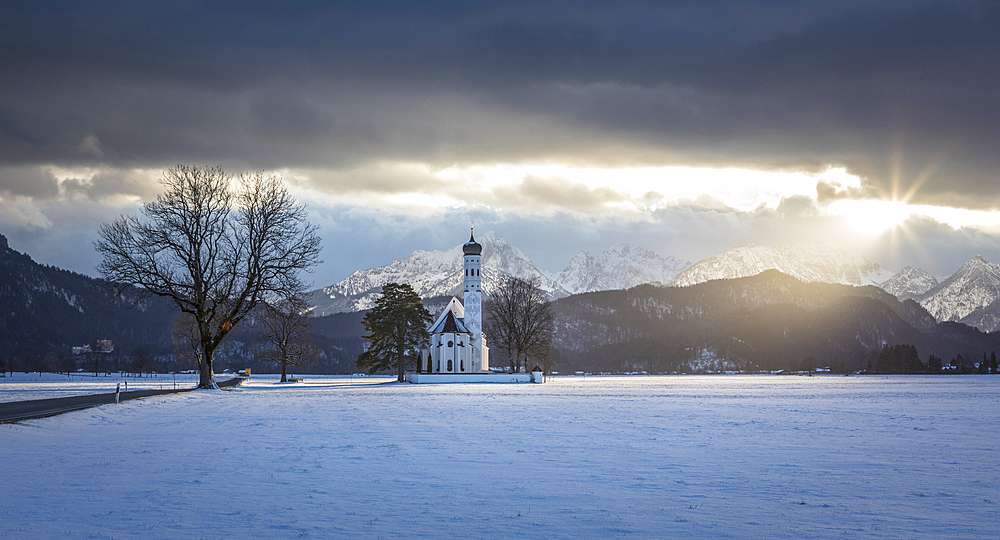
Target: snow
620, 267
430, 273
594, 457
807, 261
967, 296
909, 283
28, 386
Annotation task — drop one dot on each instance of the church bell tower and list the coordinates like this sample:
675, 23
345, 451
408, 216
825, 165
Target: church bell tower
473, 301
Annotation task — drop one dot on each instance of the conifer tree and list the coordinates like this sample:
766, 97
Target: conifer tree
397, 329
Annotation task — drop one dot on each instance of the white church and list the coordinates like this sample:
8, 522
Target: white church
458, 351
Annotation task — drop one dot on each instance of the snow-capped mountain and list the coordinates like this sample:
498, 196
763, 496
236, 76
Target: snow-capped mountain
430, 273
909, 283
620, 267
825, 263
971, 296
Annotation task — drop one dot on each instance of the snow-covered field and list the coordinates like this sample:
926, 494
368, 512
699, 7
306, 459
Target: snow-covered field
26, 386
595, 457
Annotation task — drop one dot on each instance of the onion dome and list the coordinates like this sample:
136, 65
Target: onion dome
472, 247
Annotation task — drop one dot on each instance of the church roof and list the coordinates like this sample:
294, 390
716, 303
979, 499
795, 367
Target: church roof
450, 324
455, 307
472, 247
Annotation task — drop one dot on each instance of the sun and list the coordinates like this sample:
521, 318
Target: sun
872, 216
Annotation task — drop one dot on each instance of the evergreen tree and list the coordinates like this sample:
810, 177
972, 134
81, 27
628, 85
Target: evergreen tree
993, 362
934, 364
397, 329
898, 359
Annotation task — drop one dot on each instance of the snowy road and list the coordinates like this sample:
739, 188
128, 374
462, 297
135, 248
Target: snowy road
654, 457
31, 386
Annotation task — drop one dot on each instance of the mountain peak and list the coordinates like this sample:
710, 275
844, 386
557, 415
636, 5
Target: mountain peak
976, 261
622, 266
967, 296
806, 261
909, 283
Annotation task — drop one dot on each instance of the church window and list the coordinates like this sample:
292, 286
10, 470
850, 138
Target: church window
451, 343
461, 365
449, 365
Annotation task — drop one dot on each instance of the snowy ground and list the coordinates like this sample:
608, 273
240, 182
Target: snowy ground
595, 457
26, 386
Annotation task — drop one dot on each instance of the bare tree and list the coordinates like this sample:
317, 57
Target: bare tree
185, 340
286, 331
215, 247
519, 320
141, 359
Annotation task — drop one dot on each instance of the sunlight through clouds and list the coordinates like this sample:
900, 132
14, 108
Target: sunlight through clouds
648, 188
875, 216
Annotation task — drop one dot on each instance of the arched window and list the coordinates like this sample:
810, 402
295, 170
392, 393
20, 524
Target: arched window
451, 344
461, 365
449, 365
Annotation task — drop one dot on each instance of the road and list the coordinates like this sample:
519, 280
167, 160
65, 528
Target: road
40, 408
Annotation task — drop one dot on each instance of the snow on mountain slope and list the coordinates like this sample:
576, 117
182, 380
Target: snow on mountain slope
620, 267
430, 273
909, 283
971, 295
826, 263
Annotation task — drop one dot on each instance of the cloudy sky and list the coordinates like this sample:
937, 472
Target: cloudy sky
684, 127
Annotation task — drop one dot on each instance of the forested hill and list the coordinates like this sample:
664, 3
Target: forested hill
46, 309
769, 321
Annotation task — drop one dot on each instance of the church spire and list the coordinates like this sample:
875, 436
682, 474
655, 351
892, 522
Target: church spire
472, 247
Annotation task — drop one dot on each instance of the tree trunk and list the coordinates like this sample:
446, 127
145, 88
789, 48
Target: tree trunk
207, 378
284, 370
402, 369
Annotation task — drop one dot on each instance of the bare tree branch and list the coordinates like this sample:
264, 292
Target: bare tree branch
519, 320
216, 247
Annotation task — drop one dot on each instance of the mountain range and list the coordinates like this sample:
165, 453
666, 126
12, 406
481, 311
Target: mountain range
764, 322
431, 274
439, 273
768, 320
823, 263
971, 296
619, 267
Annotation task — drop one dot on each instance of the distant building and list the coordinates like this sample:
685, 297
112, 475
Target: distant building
101, 345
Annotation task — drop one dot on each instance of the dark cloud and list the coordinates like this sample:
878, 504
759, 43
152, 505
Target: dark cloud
783, 84
28, 181
902, 93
